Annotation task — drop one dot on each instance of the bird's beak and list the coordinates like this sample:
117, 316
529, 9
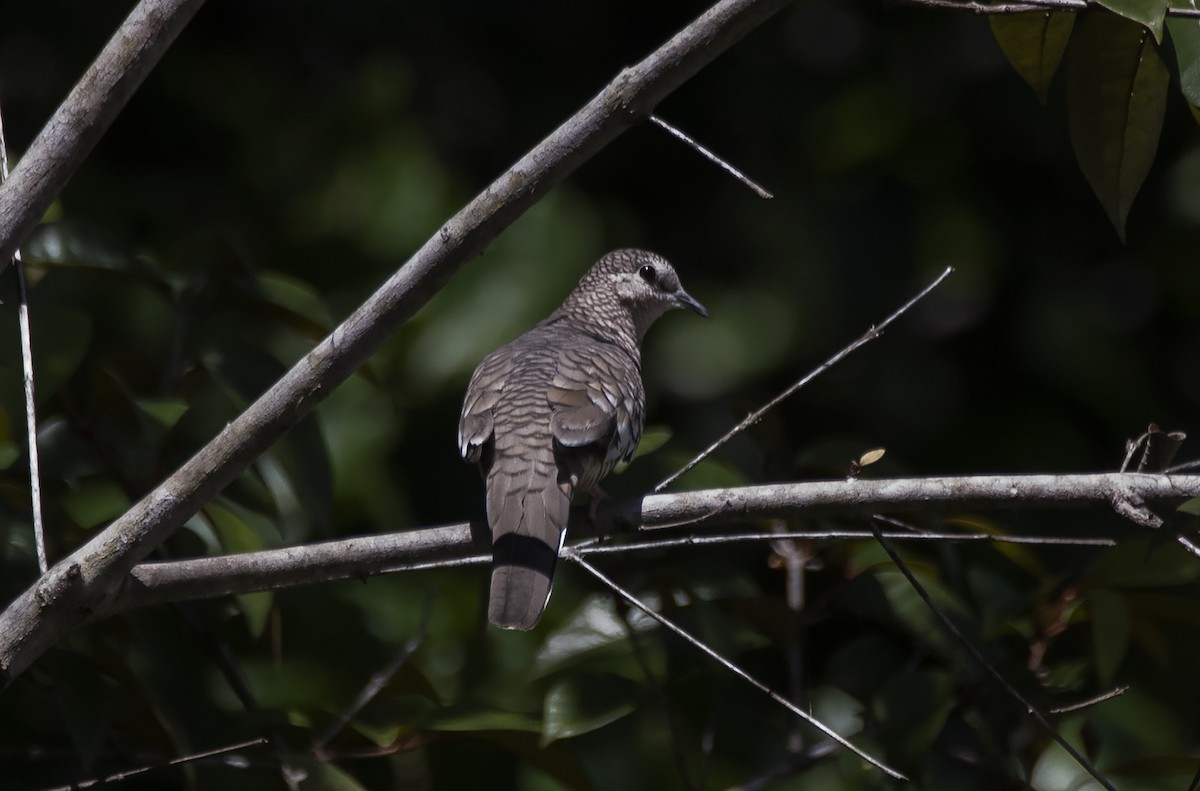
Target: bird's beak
686, 300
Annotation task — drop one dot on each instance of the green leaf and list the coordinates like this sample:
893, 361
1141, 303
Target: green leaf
1185, 38
165, 412
240, 529
593, 628
1034, 44
1149, 13
480, 719
94, 503
653, 438
302, 489
584, 702
912, 708
290, 301
157, 416
1116, 99
1110, 630
255, 608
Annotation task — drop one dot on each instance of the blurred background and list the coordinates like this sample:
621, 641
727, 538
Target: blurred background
285, 158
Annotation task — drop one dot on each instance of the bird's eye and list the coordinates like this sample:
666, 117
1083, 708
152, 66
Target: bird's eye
648, 273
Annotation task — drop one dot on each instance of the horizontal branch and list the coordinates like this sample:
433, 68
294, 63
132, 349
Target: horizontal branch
79, 585
1125, 492
467, 543
1026, 6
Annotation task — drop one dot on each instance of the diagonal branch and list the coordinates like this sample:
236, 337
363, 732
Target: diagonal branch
83, 581
730, 666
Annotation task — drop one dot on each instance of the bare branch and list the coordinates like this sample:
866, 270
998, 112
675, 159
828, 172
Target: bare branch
860, 496
163, 581
81, 582
468, 543
730, 666
1025, 6
711, 157
847, 535
755, 416
1189, 545
1092, 701
174, 762
79, 123
26, 337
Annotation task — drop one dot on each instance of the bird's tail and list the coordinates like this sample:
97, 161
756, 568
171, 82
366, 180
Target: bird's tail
527, 507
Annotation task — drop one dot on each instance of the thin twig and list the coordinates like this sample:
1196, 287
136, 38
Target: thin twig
986, 665
754, 417
728, 665
711, 157
113, 778
1083, 704
35, 478
378, 681
1189, 545
814, 535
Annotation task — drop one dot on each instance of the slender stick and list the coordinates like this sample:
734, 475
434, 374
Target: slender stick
730, 666
754, 417
1027, 6
113, 778
1092, 701
817, 535
711, 157
35, 477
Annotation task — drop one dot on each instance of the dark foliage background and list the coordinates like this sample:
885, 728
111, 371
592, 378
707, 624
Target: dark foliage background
286, 157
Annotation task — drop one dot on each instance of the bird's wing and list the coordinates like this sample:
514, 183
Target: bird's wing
487, 384
596, 397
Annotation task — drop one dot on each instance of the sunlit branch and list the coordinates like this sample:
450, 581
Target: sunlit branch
1026, 6
466, 543
127, 774
26, 338
710, 156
